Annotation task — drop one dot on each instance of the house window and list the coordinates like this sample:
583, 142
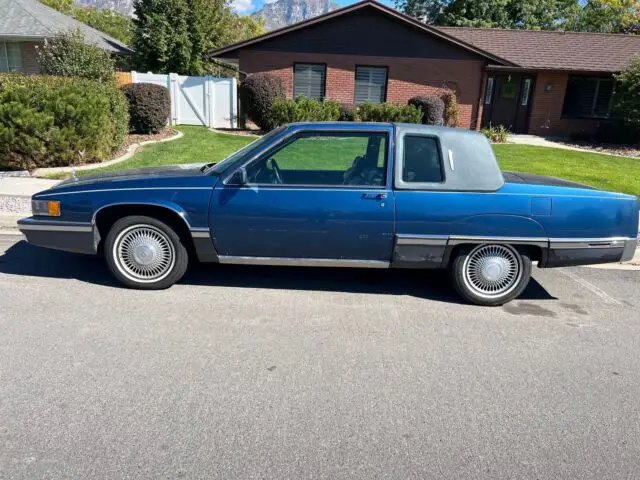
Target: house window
10, 57
488, 94
588, 97
309, 80
526, 89
371, 84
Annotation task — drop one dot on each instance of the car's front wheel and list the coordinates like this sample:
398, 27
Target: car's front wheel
490, 274
145, 253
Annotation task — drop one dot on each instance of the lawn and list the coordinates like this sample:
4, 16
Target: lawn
200, 145
619, 174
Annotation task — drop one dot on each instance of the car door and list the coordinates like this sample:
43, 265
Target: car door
317, 194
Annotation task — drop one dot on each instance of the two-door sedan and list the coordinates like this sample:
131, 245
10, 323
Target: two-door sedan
369, 195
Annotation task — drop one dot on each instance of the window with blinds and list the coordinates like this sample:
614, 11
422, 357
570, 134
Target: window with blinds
588, 97
10, 57
309, 80
371, 84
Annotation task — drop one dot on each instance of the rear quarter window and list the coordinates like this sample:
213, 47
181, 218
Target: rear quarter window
421, 162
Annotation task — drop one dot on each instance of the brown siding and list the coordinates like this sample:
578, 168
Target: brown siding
407, 77
546, 108
364, 32
29, 57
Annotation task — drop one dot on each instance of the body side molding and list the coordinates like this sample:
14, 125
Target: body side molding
303, 262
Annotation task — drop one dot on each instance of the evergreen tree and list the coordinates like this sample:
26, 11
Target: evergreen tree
174, 35
529, 14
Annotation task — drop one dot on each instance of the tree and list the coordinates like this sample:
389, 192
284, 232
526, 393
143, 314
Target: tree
107, 20
68, 55
174, 35
627, 97
63, 6
529, 14
614, 16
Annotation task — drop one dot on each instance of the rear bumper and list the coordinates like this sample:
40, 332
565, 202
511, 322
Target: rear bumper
73, 237
590, 251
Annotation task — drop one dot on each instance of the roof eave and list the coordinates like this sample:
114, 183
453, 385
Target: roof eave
350, 8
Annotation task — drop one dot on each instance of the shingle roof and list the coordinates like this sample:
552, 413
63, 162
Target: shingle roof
545, 50
31, 19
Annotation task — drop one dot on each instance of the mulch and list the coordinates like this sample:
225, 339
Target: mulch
624, 150
142, 137
239, 131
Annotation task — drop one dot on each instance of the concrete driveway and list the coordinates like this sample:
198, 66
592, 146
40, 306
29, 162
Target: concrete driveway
242, 372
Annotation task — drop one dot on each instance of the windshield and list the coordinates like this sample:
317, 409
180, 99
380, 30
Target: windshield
255, 145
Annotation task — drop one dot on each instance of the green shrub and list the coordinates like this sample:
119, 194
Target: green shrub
497, 134
432, 109
149, 106
257, 93
347, 113
616, 131
69, 55
389, 112
305, 110
627, 102
58, 121
451, 115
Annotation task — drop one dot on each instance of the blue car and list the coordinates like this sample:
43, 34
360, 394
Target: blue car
368, 195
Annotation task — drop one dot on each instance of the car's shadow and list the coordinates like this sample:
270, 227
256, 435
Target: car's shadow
25, 259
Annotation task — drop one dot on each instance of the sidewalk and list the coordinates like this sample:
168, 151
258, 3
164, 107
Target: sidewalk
15, 198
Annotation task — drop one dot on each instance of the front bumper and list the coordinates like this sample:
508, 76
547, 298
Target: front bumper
73, 237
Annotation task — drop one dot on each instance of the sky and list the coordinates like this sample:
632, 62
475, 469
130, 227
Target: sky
247, 7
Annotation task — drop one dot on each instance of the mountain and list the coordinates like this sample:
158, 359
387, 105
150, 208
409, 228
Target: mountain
285, 12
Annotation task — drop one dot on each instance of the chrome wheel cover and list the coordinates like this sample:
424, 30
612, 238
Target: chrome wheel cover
144, 253
492, 271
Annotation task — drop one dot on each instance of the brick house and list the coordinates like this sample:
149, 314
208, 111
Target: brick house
538, 82
25, 24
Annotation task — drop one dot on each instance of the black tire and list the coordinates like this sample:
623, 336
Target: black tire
171, 263
467, 289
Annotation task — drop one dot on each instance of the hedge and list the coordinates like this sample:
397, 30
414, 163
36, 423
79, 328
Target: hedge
305, 110
59, 121
431, 107
257, 94
451, 115
389, 112
149, 106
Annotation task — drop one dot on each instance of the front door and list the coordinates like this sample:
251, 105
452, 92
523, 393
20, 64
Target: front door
317, 195
506, 101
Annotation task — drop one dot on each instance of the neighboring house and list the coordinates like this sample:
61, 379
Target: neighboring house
25, 24
544, 83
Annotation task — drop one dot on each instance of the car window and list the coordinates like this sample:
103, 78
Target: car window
421, 160
321, 158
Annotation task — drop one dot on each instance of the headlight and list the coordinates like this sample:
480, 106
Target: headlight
49, 208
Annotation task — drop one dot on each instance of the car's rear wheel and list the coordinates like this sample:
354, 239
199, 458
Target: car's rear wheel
145, 253
490, 274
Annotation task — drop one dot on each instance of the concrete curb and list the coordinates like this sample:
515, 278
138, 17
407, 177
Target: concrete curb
41, 172
8, 222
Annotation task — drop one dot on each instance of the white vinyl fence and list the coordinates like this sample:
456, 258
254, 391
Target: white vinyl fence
208, 101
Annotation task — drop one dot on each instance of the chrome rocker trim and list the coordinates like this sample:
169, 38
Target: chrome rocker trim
26, 224
303, 262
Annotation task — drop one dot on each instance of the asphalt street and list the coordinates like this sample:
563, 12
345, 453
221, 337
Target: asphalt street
274, 373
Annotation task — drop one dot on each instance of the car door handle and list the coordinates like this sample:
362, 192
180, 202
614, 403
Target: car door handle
374, 196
